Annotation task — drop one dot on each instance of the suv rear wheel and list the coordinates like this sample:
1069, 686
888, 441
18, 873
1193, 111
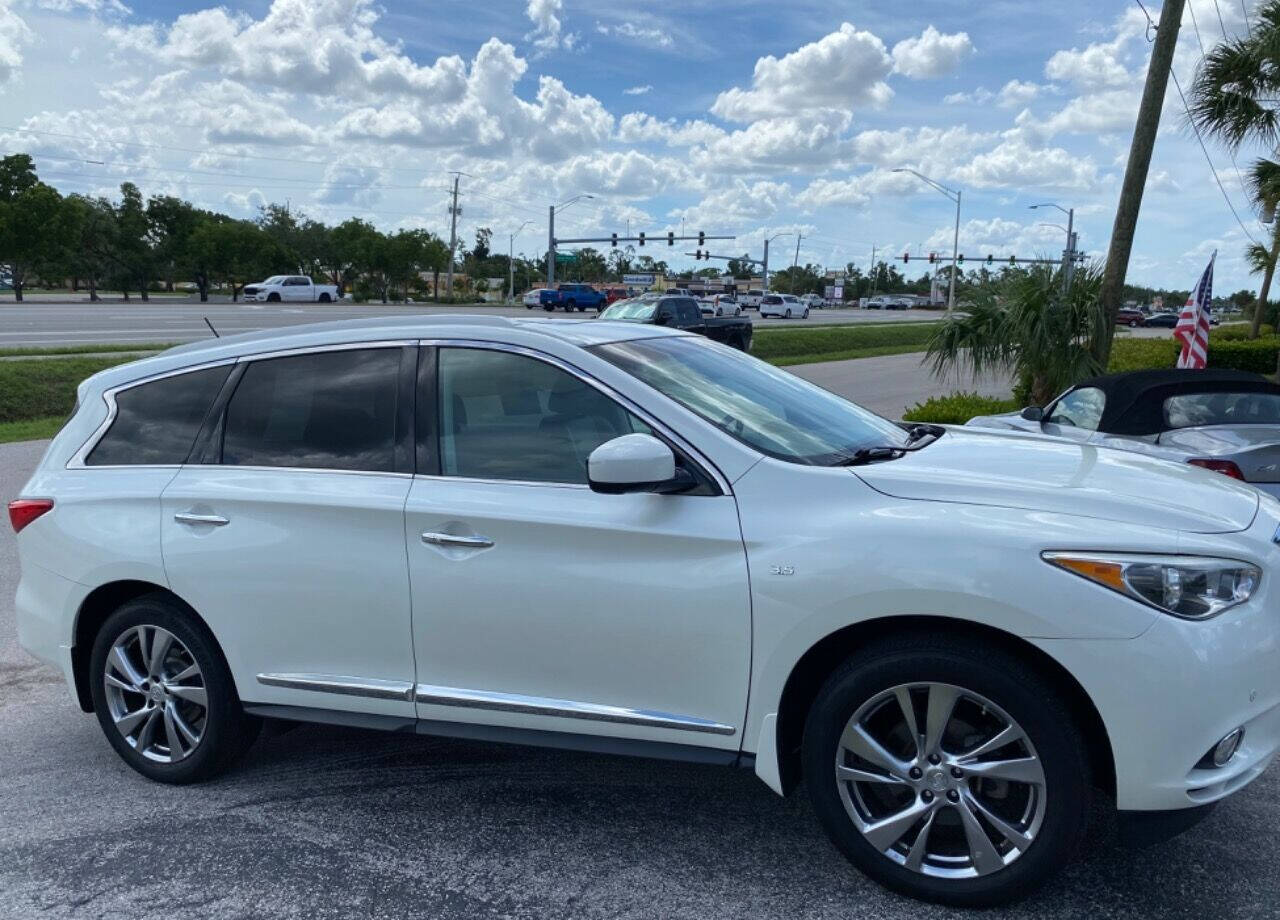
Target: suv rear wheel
946, 770
163, 694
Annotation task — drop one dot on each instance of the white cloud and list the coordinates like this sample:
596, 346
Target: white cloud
644, 35
90, 6
979, 96
1016, 164
931, 54
348, 183
14, 35
740, 201
773, 144
640, 127
637, 90
1017, 93
839, 71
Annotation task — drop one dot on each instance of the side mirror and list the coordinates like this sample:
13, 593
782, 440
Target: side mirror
635, 463
1032, 414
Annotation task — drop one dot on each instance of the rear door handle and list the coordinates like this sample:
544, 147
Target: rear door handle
189, 517
449, 539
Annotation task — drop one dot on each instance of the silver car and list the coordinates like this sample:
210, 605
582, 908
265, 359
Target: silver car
1222, 420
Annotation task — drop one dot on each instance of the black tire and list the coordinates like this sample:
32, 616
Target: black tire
787, 315
227, 731
550, 308
323, 298
805, 315
1133, 324
1008, 683
273, 298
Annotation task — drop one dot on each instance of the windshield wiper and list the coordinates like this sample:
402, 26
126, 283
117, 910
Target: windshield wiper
919, 437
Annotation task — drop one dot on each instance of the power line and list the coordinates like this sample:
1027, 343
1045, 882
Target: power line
1221, 25
1245, 11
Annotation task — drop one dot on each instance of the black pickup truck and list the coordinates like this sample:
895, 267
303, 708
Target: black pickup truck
678, 311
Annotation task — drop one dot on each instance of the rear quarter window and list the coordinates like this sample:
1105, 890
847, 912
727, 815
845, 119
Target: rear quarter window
156, 423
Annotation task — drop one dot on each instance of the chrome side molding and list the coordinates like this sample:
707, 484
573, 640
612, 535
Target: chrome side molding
345, 686
565, 709
497, 702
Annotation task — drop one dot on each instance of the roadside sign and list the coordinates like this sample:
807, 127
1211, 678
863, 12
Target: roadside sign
566, 258
638, 280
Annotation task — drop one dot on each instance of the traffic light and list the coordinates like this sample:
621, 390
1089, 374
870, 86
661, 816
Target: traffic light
615, 241
697, 255
989, 258
702, 238
933, 257
906, 257
671, 237
960, 258
641, 237
1013, 260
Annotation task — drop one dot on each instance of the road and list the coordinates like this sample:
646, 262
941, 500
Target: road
69, 323
892, 383
322, 822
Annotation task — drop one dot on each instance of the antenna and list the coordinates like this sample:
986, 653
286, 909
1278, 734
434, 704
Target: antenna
211, 329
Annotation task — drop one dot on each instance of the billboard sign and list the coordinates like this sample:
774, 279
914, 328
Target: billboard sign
638, 280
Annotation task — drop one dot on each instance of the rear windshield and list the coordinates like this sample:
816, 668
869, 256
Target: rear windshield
635, 311
1194, 409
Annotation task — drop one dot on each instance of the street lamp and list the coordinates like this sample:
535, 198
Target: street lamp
954, 195
511, 264
551, 235
766, 255
1068, 254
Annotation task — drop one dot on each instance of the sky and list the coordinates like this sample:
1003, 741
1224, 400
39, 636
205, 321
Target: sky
758, 119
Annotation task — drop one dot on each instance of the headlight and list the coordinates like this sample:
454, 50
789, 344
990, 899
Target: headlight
1192, 587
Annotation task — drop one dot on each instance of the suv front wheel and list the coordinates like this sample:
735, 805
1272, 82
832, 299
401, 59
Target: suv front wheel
163, 693
946, 770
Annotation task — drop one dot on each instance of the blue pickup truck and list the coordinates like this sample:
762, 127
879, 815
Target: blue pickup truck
572, 297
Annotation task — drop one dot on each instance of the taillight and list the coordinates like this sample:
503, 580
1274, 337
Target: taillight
1225, 467
25, 510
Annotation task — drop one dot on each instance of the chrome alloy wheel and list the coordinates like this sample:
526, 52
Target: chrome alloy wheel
156, 694
940, 780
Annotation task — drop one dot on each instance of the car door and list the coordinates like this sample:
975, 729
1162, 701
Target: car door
1075, 415
287, 536
297, 289
541, 604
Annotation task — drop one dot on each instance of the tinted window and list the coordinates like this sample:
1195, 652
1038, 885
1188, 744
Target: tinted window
157, 422
333, 410
1194, 409
689, 312
1080, 409
506, 416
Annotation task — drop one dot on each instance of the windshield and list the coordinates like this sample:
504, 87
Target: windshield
768, 409
633, 311
274, 279
1194, 409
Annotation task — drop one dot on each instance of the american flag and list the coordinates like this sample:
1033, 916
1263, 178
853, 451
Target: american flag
1193, 323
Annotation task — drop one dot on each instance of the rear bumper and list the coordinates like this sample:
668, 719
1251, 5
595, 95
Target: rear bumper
45, 606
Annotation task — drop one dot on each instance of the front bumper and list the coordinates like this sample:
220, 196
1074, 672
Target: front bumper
1167, 697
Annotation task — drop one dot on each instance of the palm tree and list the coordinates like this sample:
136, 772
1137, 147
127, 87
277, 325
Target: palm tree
1234, 98
1027, 325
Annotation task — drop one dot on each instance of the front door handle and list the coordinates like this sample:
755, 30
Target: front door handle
449, 539
190, 517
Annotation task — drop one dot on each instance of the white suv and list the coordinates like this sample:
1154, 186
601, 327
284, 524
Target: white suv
617, 537
782, 305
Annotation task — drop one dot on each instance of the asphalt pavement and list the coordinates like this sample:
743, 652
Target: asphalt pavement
65, 322
323, 822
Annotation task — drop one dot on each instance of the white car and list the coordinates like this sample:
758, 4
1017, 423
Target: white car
618, 537
533, 298
719, 305
782, 305
291, 288
750, 299
814, 301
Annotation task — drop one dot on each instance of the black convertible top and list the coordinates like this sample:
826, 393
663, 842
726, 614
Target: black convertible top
1135, 400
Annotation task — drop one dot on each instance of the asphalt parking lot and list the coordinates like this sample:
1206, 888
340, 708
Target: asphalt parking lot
323, 822
64, 322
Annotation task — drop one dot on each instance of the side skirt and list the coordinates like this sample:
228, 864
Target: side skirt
654, 750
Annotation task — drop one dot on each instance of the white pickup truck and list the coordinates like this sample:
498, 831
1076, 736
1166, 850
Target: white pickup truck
289, 287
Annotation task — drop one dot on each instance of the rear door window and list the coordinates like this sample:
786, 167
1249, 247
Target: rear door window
330, 410
156, 423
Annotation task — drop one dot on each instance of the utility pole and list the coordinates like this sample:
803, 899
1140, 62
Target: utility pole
955, 253
766, 265
551, 247
1135, 174
795, 261
873, 272
453, 234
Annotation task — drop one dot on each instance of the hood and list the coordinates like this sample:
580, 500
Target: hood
1048, 474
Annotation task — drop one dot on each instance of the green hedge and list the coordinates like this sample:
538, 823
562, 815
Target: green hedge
829, 343
1240, 331
957, 408
41, 387
1256, 355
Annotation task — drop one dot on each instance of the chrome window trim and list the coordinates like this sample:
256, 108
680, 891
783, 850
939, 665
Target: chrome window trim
647, 417
564, 709
344, 686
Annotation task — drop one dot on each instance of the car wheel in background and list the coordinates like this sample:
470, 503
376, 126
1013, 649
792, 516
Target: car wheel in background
163, 693
787, 315
947, 769
273, 298
550, 308
737, 311
323, 298
805, 315
1133, 324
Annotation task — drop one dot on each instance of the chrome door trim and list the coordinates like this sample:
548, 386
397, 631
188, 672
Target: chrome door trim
344, 686
449, 539
187, 517
565, 709
645, 415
